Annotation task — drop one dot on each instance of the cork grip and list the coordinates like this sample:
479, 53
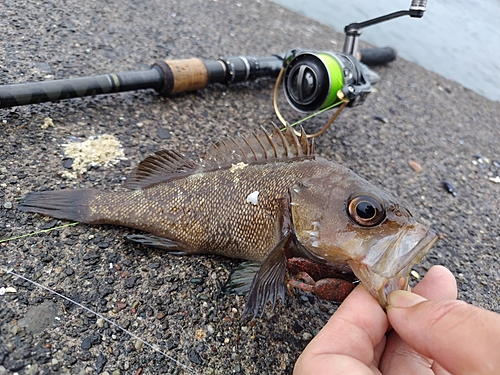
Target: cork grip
189, 75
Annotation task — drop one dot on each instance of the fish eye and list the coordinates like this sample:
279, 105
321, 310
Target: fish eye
365, 210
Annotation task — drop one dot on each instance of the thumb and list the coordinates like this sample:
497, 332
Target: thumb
462, 338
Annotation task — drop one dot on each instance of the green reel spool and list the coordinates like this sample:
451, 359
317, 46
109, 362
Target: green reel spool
312, 80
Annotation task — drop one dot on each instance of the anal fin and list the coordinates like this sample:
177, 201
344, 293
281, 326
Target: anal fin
268, 284
241, 277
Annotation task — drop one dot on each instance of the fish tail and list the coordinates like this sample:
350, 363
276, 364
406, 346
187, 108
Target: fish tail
70, 204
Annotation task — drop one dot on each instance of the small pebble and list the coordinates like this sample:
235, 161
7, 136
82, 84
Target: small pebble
196, 280
163, 133
7, 205
100, 322
120, 306
415, 274
307, 336
382, 119
415, 165
15, 329
138, 345
194, 357
68, 163
87, 343
449, 188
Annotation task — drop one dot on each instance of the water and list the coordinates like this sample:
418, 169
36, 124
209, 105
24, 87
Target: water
458, 39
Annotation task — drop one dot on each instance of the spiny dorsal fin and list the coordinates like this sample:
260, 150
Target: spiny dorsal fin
162, 166
259, 147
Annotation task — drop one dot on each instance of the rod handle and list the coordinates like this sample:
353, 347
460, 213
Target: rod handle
182, 75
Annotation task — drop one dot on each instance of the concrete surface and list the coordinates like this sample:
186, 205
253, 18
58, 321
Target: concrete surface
174, 302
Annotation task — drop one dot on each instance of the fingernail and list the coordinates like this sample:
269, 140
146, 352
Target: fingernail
402, 298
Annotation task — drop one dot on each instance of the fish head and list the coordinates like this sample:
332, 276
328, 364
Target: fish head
340, 217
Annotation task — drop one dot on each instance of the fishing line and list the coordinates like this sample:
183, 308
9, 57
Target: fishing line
38, 232
315, 114
154, 347
342, 101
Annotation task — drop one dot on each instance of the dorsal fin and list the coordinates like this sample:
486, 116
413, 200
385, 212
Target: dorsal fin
162, 166
259, 147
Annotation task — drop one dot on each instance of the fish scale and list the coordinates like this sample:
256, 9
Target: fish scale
214, 217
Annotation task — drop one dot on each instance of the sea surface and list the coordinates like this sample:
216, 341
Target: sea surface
458, 39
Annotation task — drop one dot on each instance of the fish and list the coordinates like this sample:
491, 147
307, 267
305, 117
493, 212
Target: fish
269, 200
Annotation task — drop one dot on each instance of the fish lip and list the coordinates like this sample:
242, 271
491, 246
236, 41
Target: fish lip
400, 280
424, 245
380, 285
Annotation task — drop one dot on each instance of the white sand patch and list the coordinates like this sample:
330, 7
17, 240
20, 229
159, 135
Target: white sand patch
47, 121
104, 150
235, 167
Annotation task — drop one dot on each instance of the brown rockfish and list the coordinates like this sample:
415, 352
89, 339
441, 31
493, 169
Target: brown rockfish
267, 199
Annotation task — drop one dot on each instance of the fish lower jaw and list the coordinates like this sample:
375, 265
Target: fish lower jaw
379, 286
378, 273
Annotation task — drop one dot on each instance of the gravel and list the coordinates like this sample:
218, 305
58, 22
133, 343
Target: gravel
173, 306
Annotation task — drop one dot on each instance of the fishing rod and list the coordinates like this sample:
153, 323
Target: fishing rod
167, 77
312, 80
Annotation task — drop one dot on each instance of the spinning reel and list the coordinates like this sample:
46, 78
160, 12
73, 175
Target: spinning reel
314, 82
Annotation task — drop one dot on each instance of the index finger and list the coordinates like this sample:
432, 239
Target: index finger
353, 332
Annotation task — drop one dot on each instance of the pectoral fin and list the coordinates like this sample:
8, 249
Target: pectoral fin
268, 284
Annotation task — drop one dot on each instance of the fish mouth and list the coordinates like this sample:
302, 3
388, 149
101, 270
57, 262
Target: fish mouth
387, 264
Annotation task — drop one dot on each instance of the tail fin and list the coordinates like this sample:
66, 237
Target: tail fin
70, 204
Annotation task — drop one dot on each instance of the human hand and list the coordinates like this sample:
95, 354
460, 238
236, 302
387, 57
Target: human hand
439, 336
